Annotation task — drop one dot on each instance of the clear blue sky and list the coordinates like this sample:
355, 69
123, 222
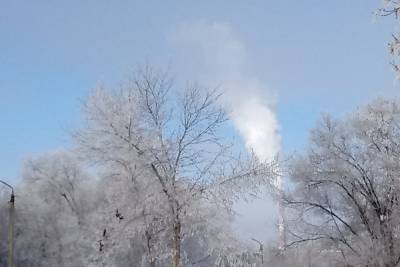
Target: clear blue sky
318, 56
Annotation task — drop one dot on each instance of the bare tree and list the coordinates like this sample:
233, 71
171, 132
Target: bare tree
347, 187
175, 144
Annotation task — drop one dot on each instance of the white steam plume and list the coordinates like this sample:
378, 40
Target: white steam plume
221, 59
224, 59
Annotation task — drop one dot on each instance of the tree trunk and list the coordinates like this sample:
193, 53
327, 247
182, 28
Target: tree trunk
151, 259
176, 260
152, 262
391, 253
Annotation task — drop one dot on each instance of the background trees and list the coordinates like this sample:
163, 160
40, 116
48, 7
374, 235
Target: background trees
346, 196
162, 179
53, 226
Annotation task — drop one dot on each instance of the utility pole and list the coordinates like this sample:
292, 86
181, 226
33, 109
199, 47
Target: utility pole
11, 217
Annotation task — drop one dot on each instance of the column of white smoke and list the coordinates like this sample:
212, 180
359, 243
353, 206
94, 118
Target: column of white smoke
224, 58
257, 124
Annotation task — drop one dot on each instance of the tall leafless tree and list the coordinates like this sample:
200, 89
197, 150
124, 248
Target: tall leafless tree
176, 140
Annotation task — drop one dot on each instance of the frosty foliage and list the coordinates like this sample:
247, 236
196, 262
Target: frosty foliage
150, 181
172, 164
346, 199
52, 203
392, 8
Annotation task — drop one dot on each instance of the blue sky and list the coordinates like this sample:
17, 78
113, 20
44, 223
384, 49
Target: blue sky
313, 56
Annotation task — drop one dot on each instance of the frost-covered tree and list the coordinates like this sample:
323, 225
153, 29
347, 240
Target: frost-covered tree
169, 156
392, 8
346, 196
53, 208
